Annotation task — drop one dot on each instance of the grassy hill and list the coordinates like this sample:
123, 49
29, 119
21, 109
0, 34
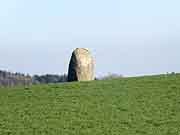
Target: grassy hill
127, 106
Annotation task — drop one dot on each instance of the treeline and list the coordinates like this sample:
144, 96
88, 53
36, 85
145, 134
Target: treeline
15, 79
12, 79
42, 79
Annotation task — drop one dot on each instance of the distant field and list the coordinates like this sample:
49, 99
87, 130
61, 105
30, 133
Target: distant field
127, 106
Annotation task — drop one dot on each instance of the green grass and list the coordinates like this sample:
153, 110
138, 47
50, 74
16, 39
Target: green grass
127, 106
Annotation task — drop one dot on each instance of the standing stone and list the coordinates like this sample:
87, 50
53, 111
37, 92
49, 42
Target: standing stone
81, 66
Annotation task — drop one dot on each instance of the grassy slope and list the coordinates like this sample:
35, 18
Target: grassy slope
128, 106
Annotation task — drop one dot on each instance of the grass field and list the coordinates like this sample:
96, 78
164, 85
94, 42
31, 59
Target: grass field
126, 106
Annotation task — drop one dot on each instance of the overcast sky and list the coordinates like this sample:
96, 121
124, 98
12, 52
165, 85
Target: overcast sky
129, 37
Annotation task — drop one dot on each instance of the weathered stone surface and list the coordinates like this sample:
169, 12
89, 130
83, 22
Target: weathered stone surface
81, 66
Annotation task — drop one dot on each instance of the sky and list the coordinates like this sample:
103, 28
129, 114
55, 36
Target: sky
127, 37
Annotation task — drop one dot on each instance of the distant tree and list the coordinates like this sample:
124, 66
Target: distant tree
109, 76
